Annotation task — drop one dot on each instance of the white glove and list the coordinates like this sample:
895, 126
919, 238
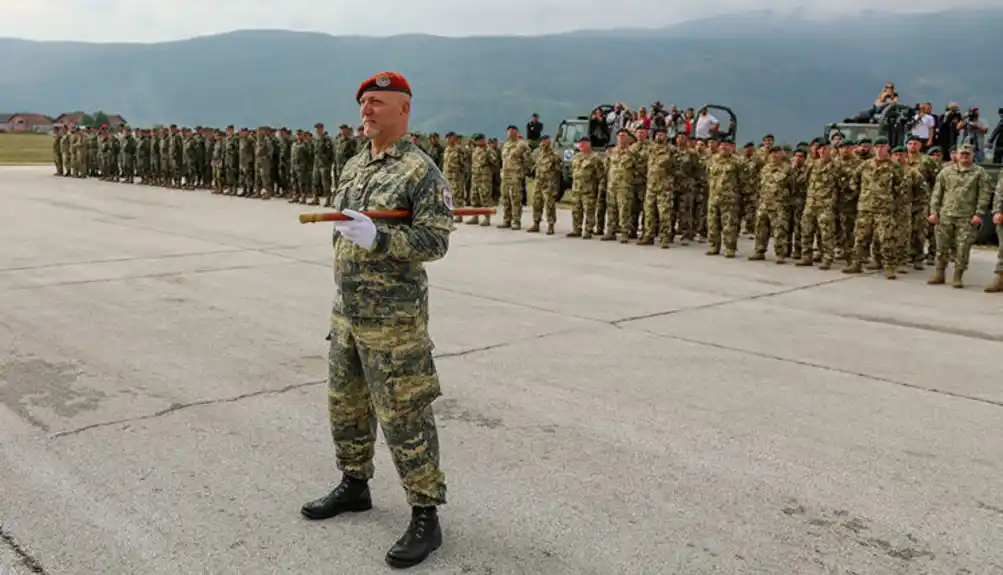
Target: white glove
360, 230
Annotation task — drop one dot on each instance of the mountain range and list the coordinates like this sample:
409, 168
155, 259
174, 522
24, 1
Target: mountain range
787, 74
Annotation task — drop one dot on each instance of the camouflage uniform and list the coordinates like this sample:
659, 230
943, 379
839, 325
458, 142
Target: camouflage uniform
323, 162
57, 154
799, 195
65, 155
922, 229
481, 170
846, 207
515, 164
547, 176
127, 157
959, 194
879, 184
641, 150
380, 359
587, 170
914, 193
455, 172
264, 151
619, 194
826, 179
997, 285
658, 196
725, 182
687, 170
775, 189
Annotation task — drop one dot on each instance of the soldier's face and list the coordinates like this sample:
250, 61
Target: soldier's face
642, 135
513, 134
661, 137
965, 158
824, 152
383, 112
914, 146
881, 151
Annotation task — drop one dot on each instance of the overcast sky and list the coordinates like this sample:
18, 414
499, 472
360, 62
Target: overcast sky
155, 21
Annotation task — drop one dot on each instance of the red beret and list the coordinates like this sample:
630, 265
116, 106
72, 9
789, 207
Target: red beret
383, 82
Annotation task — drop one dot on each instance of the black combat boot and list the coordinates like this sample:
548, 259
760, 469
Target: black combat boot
350, 495
423, 536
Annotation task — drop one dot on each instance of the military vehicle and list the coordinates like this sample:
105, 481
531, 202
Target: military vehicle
894, 123
571, 130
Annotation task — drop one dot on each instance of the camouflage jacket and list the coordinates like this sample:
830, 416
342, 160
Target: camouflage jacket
826, 181
516, 161
726, 178
390, 280
960, 192
880, 185
776, 185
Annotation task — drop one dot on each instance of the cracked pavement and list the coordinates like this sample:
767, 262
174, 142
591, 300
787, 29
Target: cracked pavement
608, 409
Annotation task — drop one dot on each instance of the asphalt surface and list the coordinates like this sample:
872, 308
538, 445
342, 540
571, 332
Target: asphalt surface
608, 409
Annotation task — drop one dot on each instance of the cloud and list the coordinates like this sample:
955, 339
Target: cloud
149, 21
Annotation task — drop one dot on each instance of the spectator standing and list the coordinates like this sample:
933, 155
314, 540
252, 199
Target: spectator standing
706, 124
973, 130
925, 127
534, 130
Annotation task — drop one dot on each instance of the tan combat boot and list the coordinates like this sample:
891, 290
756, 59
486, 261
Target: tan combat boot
486, 222
755, 257
458, 219
937, 278
890, 272
825, 265
956, 280
853, 268
550, 229
573, 234
997, 284
533, 228
804, 262
781, 260
646, 241
727, 253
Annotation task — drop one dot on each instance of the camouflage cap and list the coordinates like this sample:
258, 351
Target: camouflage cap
966, 148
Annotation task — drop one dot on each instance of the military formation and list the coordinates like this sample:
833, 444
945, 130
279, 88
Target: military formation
265, 163
862, 203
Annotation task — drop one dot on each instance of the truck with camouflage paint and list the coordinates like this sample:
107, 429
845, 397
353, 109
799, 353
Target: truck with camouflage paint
895, 123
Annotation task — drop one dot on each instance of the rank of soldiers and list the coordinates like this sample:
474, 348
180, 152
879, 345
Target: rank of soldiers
863, 203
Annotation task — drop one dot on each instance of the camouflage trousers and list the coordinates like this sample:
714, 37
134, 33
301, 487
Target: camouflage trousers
381, 371
599, 207
302, 182
57, 160
795, 212
846, 223
264, 181
917, 234
999, 252
724, 218
583, 206
637, 193
657, 212
545, 198
321, 182
458, 187
682, 214
931, 242
619, 206
480, 190
873, 226
903, 234
820, 221
772, 224
700, 209
750, 199
955, 237
511, 200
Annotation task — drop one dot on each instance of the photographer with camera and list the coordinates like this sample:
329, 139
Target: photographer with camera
948, 127
973, 130
996, 139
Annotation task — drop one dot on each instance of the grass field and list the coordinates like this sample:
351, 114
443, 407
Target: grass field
25, 148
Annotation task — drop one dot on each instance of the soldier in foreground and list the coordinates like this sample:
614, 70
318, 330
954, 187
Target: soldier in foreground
997, 284
380, 359
961, 191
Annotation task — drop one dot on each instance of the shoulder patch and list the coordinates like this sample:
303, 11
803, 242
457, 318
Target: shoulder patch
447, 196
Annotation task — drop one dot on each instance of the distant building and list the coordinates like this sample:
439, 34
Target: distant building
29, 122
5, 122
71, 119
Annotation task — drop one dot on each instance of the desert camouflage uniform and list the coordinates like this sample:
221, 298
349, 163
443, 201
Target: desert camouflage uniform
547, 176
725, 182
879, 184
826, 180
587, 169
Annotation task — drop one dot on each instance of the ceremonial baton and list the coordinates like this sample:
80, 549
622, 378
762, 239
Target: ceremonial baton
313, 218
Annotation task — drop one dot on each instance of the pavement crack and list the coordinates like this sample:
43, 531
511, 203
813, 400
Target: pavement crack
727, 302
829, 368
117, 260
26, 559
182, 406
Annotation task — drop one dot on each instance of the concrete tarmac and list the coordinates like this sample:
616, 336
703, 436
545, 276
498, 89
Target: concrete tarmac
608, 409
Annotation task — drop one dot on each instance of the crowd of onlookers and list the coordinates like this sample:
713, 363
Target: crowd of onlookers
944, 130
604, 123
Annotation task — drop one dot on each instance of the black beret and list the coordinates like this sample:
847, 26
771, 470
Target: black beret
584, 139
450, 134
319, 125
476, 137
769, 137
749, 145
344, 127
511, 127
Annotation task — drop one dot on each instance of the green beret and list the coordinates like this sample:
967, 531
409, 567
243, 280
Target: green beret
954, 149
801, 144
881, 141
899, 150
819, 141
478, 137
749, 145
801, 150
864, 142
786, 148
934, 150
914, 138
769, 136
